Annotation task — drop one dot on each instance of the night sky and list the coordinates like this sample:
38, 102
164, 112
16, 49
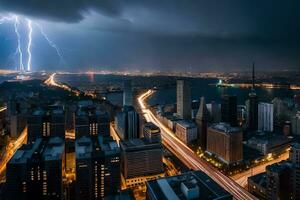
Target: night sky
211, 35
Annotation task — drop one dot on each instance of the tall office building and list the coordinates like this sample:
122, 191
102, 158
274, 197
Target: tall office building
57, 122
183, 99
45, 123
295, 124
127, 93
229, 110
202, 118
17, 124
127, 123
91, 121
141, 160
97, 167
36, 170
189, 185
225, 142
265, 117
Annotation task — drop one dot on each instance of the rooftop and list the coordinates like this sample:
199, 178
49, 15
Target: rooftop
25, 152
186, 124
225, 127
170, 187
54, 149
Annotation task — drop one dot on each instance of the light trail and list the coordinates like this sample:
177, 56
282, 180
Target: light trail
188, 157
29, 25
11, 149
242, 178
51, 81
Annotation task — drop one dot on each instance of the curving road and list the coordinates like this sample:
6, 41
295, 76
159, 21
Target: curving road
188, 157
11, 149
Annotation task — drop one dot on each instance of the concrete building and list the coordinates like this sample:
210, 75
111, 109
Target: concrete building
91, 121
225, 142
257, 185
97, 167
141, 161
186, 131
229, 110
183, 99
295, 124
18, 123
36, 170
127, 123
202, 119
190, 185
127, 93
265, 117
152, 133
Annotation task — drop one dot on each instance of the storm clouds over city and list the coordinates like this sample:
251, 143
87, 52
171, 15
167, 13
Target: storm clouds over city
154, 35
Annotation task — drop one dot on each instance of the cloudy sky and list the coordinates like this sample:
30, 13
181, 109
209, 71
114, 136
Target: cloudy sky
197, 35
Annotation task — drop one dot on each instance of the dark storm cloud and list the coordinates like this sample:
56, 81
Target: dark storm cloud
60, 10
172, 32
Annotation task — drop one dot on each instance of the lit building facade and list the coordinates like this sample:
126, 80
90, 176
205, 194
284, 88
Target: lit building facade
225, 142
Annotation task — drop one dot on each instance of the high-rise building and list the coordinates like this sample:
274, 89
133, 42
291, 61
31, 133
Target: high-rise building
127, 123
91, 121
202, 118
295, 124
225, 142
294, 158
152, 133
36, 170
265, 117
229, 110
141, 160
127, 93
189, 185
17, 124
186, 131
183, 99
97, 167
45, 123
278, 181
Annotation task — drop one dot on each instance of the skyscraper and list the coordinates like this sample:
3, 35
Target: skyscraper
127, 93
229, 109
127, 123
36, 170
265, 117
183, 99
97, 167
152, 132
252, 106
202, 118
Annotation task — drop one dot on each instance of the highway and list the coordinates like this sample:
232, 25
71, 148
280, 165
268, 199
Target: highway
188, 157
242, 178
11, 148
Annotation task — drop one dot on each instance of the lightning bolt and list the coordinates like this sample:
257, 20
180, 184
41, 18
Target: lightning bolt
51, 44
19, 50
29, 26
16, 22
